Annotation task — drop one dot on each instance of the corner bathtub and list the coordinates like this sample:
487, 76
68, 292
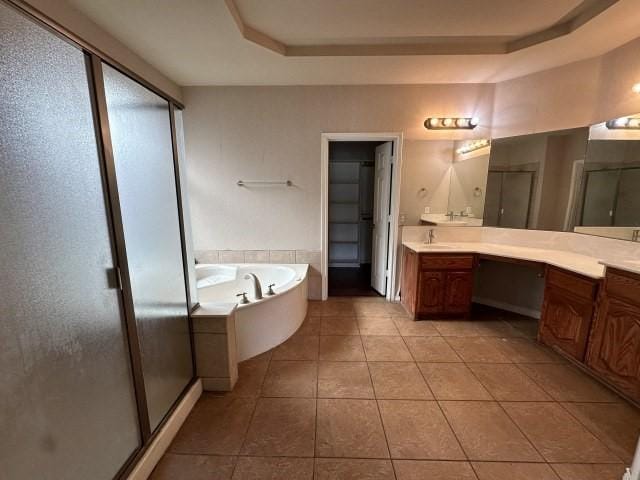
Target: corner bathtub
261, 324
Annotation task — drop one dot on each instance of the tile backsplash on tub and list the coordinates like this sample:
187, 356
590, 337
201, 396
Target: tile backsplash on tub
311, 257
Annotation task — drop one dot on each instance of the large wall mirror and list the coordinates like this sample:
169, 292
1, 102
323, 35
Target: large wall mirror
444, 182
609, 200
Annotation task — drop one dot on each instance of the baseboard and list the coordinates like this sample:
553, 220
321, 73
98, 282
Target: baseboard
165, 436
529, 312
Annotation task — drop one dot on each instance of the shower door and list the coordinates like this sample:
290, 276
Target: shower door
140, 131
67, 402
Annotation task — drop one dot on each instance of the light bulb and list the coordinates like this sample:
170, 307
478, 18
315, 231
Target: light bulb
636, 88
462, 122
634, 123
434, 122
447, 122
621, 122
474, 121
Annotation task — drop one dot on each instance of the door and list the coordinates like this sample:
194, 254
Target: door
381, 217
493, 194
458, 292
67, 401
515, 199
143, 155
600, 197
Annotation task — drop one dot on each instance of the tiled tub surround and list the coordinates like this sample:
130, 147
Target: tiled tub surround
361, 391
310, 257
584, 254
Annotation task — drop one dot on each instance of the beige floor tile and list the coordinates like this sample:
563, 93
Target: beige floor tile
477, 349
431, 349
514, 471
617, 425
398, 380
291, 379
453, 381
507, 382
457, 328
334, 307
265, 468
298, 347
409, 327
385, 349
566, 383
433, 470
193, 467
418, 430
349, 428
377, 326
310, 326
524, 350
251, 374
282, 427
373, 308
496, 328
572, 471
344, 380
487, 433
557, 435
341, 348
527, 326
339, 326
215, 426
353, 469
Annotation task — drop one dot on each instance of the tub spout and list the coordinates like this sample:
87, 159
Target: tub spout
256, 285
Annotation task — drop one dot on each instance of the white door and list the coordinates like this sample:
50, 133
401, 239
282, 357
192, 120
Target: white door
381, 216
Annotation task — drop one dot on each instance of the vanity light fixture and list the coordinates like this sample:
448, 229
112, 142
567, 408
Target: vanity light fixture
473, 145
624, 123
451, 123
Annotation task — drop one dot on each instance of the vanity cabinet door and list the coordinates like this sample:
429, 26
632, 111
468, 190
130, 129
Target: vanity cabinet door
614, 347
431, 290
458, 291
566, 321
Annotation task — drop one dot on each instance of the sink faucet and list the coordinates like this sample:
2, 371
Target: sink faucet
257, 288
431, 237
451, 215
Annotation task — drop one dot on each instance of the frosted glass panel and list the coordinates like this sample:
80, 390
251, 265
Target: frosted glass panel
142, 149
67, 406
186, 210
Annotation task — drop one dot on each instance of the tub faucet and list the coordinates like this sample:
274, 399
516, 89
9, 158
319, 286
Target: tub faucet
257, 288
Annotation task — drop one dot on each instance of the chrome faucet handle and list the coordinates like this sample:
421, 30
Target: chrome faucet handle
244, 300
270, 291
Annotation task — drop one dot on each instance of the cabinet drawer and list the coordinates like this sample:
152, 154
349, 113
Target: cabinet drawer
618, 284
446, 262
572, 282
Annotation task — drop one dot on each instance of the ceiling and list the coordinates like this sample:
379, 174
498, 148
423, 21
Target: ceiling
202, 42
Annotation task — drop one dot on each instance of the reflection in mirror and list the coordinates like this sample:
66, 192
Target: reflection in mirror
609, 199
443, 182
533, 180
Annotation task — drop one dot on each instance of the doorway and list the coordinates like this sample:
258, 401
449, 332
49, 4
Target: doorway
359, 227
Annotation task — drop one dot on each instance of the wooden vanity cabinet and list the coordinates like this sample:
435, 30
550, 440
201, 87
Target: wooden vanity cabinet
437, 285
567, 311
614, 345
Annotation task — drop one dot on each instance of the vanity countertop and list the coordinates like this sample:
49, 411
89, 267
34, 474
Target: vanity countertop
574, 262
632, 266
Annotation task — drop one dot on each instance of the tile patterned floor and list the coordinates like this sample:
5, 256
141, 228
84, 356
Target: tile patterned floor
363, 392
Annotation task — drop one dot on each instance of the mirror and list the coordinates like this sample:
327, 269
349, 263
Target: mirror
609, 194
443, 182
533, 181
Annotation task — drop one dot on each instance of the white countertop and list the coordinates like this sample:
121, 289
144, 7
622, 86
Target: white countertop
632, 266
581, 264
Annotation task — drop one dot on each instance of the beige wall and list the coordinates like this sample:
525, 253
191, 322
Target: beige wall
426, 165
274, 133
574, 95
65, 15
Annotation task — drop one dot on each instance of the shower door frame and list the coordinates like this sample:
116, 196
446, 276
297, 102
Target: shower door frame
94, 59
